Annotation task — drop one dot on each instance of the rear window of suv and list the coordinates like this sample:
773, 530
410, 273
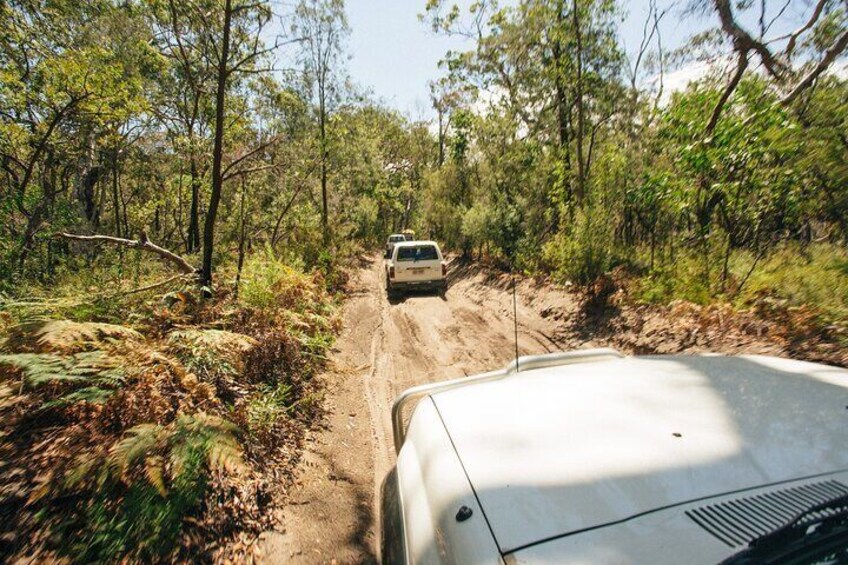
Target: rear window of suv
418, 253
396, 238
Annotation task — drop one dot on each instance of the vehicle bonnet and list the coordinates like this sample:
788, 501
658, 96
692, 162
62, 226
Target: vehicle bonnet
560, 450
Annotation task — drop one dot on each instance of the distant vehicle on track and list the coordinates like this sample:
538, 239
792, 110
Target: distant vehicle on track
592, 457
416, 265
397, 238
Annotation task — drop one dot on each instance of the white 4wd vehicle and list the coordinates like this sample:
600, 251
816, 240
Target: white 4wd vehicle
416, 265
591, 457
395, 238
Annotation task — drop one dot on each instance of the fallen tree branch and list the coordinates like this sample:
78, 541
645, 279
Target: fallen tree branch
150, 286
141, 243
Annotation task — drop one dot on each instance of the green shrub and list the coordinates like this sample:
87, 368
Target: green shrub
268, 283
816, 275
151, 479
681, 280
813, 276
583, 254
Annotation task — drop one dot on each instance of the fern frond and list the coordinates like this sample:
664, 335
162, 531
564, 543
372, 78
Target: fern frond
141, 440
219, 340
189, 445
225, 454
79, 473
206, 421
89, 394
43, 336
92, 368
154, 470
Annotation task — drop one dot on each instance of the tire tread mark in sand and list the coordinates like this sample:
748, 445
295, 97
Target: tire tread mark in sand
412, 343
376, 389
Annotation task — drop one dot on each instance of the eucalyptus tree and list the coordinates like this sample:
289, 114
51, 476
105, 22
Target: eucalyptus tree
216, 44
67, 71
183, 104
792, 62
322, 26
552, 64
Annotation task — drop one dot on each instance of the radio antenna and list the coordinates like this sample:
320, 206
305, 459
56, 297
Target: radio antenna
514, 315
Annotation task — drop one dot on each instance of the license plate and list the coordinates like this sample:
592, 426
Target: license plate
418, 271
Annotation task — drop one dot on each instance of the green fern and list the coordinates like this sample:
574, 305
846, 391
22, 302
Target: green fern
149, 482
181, 444
141, 441
42, 336
91, 376
89, 394
90, 367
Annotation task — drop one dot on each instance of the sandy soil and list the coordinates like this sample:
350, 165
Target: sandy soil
388, 346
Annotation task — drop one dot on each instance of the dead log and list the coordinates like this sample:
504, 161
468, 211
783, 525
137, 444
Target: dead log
142, 243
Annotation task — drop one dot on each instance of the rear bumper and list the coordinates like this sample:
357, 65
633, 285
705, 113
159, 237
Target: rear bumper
439, 284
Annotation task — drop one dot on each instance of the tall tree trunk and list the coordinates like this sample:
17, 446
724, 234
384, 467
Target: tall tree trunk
116, 200
441, 137
241, 234
581, 125
194, 209
561, 111
407, 211
561, 102
217, 151
33, 225
322, 122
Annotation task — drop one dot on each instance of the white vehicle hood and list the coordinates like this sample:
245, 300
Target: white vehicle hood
556, 451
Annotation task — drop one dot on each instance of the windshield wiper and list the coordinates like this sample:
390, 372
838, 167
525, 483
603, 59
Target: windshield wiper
819, 529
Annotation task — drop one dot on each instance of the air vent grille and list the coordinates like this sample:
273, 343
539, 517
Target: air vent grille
737, 522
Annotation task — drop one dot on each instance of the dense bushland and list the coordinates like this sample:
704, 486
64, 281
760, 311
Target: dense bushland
564, 155
153, 411
146, 405
150, 442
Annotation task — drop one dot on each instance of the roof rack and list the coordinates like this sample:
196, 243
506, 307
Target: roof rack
520, 365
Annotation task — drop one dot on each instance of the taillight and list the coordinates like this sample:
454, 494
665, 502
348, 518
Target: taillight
444, 270
391, 272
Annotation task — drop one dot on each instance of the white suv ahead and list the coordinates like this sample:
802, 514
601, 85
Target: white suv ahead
416, 265
591, 457
395, 238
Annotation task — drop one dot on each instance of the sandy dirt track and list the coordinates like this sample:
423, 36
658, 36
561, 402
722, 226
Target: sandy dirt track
386, 347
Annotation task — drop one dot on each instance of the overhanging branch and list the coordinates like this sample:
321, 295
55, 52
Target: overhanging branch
141, 243
830, 55
741, 65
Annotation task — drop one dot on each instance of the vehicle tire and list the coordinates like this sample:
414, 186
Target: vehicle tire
392, 536
390, 292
